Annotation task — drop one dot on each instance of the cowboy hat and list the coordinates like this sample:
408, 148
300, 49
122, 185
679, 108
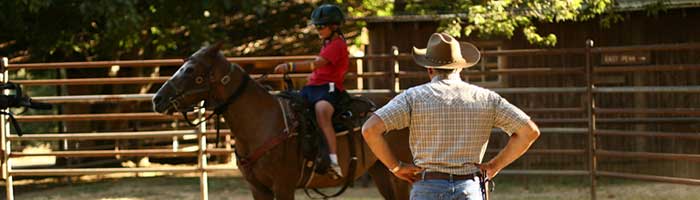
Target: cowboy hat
445, 52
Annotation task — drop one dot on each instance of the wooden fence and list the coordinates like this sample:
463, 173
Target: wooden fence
381, 81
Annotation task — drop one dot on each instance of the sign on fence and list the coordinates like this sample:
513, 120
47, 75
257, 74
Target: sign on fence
626, 58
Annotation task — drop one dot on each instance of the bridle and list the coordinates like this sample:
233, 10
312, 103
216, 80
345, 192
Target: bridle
247, 161
205, 83
219, 109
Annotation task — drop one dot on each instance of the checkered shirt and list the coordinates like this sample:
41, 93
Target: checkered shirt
450, 122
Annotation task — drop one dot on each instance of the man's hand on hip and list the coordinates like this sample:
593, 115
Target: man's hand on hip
489, 168
409, 173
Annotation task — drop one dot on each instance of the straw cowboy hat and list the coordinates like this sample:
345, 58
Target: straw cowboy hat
445, 52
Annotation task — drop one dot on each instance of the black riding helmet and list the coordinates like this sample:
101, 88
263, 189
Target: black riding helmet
327, 14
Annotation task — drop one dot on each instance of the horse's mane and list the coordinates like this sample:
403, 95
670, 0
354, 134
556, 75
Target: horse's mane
219, 56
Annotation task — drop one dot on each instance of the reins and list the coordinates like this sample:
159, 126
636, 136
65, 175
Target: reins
245, 162
219, 109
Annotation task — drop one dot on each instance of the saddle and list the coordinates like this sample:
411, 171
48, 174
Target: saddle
350, 113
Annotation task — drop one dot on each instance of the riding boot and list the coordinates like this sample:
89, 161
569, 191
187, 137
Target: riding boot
336, 169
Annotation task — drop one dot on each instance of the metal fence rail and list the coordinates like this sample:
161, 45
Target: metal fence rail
588, 113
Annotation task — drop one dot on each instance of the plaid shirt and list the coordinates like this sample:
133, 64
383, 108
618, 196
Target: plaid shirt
450, 122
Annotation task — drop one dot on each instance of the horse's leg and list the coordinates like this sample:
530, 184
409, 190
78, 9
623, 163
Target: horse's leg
285, 184
260, 192
283, 192
388, 185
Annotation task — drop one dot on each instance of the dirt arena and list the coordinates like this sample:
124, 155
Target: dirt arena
171, 188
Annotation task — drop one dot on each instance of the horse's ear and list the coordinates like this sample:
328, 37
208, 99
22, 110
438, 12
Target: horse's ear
214, 49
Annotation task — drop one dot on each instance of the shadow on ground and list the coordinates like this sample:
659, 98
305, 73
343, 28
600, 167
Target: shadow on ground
172, 188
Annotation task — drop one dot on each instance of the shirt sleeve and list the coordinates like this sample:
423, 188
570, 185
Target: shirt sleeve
508, 117
397, 113
333, 53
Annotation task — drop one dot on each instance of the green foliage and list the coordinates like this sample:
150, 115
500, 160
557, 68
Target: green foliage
362, 8
535, 38
655, 8
64, 30
609, 19
438, 6
452, 26
501, 18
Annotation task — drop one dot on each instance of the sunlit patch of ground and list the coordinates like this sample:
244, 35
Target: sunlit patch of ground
607, 189
171, 188
161, 188
34, 160
121, 199
229, 185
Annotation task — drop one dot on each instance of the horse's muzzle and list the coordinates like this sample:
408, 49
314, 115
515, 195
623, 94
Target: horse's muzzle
162, 105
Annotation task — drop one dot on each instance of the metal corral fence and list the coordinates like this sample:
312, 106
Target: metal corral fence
388, 75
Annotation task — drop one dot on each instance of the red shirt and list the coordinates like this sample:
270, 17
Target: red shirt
336, 53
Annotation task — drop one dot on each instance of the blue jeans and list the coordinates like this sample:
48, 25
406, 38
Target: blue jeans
446, 189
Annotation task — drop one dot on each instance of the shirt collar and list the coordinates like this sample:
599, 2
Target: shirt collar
452, 77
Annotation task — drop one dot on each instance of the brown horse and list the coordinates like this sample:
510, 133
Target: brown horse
256, 120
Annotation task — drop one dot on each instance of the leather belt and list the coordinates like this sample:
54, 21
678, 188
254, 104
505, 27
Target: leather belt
445, 176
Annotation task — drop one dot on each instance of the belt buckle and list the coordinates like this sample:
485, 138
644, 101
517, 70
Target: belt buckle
452, 178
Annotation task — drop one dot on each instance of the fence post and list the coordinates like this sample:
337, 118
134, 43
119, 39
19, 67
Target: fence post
201, 154
592, 161
359, 65
5, 131
394, 82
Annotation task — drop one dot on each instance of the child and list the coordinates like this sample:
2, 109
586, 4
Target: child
328, 72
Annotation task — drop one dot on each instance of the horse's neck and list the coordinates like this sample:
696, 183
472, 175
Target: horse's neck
254, 118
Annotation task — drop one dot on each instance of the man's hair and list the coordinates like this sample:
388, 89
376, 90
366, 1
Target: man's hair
446, 72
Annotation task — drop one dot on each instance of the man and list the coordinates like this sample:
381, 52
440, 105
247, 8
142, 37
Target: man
450, 123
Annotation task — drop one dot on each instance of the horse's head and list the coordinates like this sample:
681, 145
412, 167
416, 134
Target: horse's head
203, 76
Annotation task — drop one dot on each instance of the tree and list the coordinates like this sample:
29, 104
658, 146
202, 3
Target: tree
64, 30
489, 18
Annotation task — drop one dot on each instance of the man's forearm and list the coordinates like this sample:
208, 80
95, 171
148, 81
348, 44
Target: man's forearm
381, 149
373, 132
516, 147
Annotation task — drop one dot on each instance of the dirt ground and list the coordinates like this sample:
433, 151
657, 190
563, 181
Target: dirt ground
175, 188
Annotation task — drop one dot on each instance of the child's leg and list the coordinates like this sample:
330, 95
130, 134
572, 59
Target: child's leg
324, 113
